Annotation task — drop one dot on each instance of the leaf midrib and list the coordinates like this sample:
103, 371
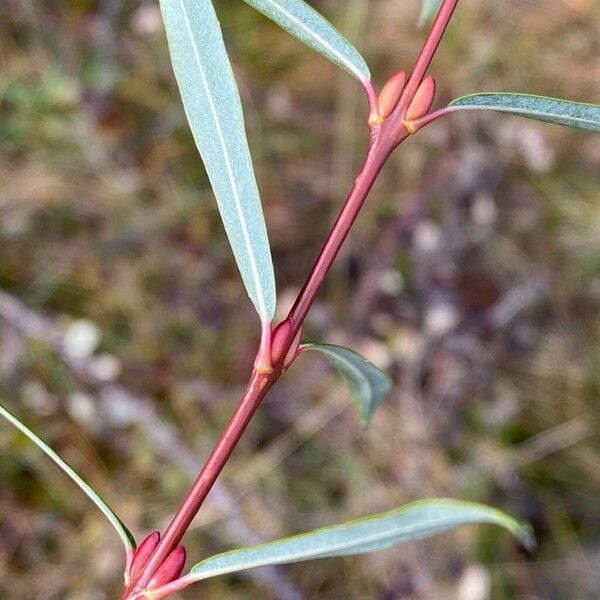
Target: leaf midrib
315, 35
524, 110
355, 370
380, 536
232, 181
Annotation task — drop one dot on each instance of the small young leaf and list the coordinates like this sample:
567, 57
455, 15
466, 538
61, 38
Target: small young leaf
428, 10
122, 531
412, 522
541, 108
305, 23
368, 385
213, 108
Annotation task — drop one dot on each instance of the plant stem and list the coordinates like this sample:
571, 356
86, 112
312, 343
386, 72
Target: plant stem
380, 146
384, 137
261, 381
426, 55
371, 99
257, 387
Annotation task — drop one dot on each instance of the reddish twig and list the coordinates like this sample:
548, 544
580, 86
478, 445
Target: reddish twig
379, 149
432, 41
257, 387
385, 135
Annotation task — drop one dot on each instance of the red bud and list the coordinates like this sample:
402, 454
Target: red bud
390, 93
143, 553
292, 353
169, 570
279, 339
422, 100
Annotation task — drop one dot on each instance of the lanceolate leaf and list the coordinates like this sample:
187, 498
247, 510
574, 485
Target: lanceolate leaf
368, 385
122, 531
428, 10
411, 522
541, 108
306, 24
213, 108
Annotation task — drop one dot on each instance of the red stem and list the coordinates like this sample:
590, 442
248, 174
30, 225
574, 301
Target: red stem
380, 146
383, 139
426, 55
257, 387
379, 149
371, 99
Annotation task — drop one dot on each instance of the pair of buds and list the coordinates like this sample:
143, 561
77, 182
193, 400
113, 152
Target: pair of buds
392, 90
170, 569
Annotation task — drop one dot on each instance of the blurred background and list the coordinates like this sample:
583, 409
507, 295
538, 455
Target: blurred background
126, 336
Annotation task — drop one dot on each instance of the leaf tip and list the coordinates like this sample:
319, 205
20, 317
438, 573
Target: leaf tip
526, 536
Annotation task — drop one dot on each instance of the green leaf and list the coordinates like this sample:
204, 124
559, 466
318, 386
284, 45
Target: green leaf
541, 108
305, 23
428, 10
122, 531
412, 522
368, 385
214, 111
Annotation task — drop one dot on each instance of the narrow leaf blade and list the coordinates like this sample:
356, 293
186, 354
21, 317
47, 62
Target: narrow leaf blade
540, 108
213, 108
414, 521
368, 385
122, 531
428, 10
305, 23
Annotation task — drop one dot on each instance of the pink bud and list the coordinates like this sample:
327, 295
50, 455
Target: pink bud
292, 353
143, 553
422, 100
279, 340
390, 93
169, 570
